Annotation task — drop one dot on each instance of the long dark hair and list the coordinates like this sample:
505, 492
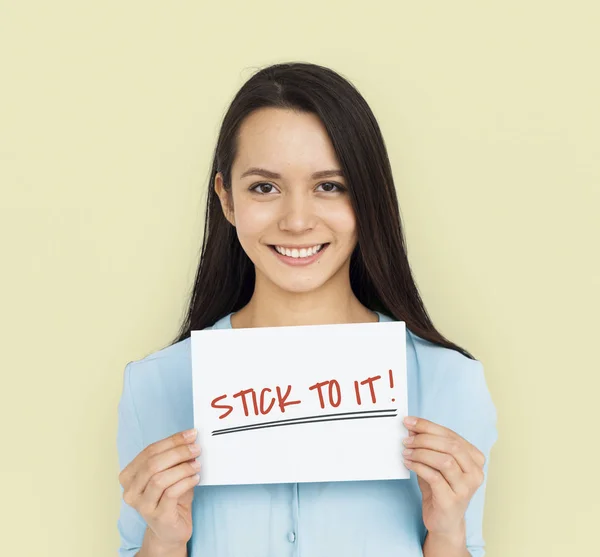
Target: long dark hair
380, 274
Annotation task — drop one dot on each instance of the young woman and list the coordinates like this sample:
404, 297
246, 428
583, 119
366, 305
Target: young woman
303, 227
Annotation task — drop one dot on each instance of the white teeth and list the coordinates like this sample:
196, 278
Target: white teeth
299, 253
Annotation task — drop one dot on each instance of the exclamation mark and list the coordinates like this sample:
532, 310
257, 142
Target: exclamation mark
391, 382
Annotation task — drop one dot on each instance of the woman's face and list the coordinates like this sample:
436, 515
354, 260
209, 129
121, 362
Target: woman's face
297, 227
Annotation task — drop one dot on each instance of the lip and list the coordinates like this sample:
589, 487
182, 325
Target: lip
299, 261
303, 246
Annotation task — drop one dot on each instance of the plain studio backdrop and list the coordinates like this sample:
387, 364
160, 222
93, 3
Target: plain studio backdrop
109, 113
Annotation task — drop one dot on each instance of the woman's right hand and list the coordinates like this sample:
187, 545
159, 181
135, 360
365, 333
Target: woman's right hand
159, 484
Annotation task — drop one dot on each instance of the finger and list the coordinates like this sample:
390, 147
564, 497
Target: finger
461, 450
175, 440
170, 497
159, 462
438, 484
425, 426
162, 481
444, 463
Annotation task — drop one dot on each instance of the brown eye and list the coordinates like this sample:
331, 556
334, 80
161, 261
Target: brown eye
259, 188
331, 187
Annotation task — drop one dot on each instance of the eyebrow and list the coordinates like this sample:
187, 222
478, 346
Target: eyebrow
274, 176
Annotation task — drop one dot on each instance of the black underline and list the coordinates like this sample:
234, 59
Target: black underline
311, 419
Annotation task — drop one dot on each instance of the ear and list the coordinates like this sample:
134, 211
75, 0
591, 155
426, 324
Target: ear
224, 198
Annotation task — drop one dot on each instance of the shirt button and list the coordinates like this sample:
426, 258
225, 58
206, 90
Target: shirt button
291, 537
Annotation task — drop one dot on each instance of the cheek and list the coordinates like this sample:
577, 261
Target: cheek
341, 220
252, 221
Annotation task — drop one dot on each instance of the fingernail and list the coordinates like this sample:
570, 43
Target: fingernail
410, 421
190, 433
406, 452
194, 448
196, 465
408, 440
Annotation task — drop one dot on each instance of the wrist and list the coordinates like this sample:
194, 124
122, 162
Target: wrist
457, 540
450, 543
155, 547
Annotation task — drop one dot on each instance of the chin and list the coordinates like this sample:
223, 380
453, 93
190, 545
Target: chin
299, 288
295, 285
298, 282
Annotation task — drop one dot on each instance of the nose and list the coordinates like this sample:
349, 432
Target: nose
297, 213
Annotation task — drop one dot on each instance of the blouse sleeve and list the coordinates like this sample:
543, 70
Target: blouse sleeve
130, 524
461, 402
477, 424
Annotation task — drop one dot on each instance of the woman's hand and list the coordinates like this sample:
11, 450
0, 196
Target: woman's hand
449, 471
159, 483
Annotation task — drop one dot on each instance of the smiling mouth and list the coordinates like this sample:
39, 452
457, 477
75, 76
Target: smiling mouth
299, 253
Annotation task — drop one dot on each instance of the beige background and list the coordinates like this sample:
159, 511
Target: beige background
108, 116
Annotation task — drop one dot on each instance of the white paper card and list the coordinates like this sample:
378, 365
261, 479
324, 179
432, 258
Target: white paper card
317, 403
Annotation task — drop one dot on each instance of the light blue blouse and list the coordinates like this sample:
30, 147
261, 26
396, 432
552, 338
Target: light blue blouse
349, 519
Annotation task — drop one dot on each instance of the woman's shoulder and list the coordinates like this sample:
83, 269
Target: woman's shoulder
173, 355
168, 357
157, 390
162, 376
441, 359
446, 384
448, 371
453, 390
436, 359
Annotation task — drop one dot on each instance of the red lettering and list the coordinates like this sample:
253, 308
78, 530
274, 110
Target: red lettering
243, 394
370, 381
262, 402
357, 391
318, 386
222, 406
283, 402
333, 383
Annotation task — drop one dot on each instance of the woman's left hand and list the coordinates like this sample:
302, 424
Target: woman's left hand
449, 471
